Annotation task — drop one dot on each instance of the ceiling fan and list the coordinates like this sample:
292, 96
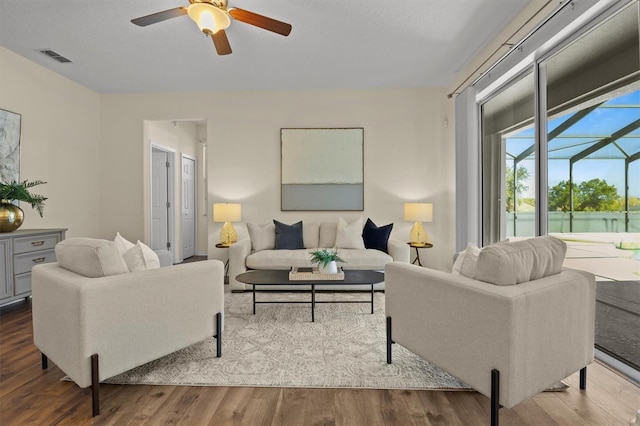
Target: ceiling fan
213, 17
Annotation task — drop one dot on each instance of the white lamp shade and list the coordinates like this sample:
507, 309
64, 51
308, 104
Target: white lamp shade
227, 212
209, 18
418, 212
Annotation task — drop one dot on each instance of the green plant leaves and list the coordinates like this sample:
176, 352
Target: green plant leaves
18, 191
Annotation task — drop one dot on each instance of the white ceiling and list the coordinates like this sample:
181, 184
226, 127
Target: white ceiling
333, 44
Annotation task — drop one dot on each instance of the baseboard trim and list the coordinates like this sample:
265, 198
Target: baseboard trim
630, 373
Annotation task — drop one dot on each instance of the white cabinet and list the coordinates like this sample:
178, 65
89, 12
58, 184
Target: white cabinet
19, 251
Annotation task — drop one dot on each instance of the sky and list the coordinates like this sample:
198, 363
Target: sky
607, 163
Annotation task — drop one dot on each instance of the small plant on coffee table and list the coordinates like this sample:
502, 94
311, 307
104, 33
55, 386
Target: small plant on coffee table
325, 256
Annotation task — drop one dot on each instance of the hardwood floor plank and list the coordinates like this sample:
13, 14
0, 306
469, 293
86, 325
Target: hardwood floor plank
176, 402
402, 407
608, 392
356, 406
203, 410
261, 407
438, 408
471, 408
531, 413
30, 395
291, 407
320, 407
560, 412
233, 406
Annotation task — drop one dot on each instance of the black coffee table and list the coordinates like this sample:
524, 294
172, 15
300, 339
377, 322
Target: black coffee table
275, 278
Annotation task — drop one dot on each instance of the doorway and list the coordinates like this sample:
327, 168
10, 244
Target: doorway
188, 206
162, 194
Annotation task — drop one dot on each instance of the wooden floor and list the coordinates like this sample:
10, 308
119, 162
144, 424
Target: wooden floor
30, 395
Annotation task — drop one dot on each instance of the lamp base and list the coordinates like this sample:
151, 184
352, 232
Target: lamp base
228, 234
418, 236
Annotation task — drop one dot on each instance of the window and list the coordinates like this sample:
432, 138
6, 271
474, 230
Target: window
560, 154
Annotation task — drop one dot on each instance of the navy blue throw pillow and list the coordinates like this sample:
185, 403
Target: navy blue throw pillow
376, 237
288, 237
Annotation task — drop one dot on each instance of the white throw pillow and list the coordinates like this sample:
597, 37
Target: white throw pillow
520, 261
263, 237
466, 262
90, 257
328, 231
349, 235
122, 243
141, 257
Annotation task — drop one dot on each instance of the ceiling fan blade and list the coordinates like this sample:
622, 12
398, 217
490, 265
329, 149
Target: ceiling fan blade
221, 42
261, 21
143, 21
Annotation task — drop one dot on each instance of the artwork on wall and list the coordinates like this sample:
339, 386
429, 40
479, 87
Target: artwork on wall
9, 146
322, 169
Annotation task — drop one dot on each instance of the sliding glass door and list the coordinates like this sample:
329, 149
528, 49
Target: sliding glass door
593, 117
560, 155
508, 162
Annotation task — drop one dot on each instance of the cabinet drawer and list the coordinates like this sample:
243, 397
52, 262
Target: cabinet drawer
35, 243
23, 284
24, 262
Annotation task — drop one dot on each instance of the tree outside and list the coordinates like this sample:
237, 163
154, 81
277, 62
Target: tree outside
514, 192
592, 195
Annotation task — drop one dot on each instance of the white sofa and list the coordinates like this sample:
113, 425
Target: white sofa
96, 327
527, 324
243, 256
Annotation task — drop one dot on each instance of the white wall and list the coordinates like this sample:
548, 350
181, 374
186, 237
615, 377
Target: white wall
93, 151
59, 143
408, 152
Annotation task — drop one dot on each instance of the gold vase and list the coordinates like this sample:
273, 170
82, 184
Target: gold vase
11, 217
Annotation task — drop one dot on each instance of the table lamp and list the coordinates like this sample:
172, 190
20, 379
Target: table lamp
418, 213
227, 213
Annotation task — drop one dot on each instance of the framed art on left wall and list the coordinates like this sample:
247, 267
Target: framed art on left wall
9, 146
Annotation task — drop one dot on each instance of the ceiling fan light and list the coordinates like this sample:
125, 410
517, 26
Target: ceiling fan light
209, 18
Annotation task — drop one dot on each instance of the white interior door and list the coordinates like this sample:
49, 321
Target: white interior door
188, 207
159, 200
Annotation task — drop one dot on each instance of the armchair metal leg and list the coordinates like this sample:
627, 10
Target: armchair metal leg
583, 378
45, 362
95, 385
389, 340
495, 397
218, 335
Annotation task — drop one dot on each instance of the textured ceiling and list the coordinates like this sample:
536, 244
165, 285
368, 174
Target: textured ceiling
334, 44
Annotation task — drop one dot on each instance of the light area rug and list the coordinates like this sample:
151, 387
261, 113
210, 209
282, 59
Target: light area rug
280, 347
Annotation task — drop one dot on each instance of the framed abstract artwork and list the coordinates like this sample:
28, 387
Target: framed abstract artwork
322, 169
9, 146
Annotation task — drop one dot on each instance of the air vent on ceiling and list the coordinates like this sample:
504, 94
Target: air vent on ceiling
55, 56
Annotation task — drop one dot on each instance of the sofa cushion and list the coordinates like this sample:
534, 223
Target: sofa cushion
510, 263
353, 259
288, 237
263, 237
310, 235
467, 261
328, 232
349, 235
376, 237
140, 257
122, 243
90, 257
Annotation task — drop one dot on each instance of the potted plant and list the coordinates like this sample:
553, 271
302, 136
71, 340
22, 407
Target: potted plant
326, 260
11, 216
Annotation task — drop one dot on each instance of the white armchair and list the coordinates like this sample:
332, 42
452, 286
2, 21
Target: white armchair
509, 342
96, 328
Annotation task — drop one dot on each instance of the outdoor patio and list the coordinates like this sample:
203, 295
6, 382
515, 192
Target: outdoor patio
618, 293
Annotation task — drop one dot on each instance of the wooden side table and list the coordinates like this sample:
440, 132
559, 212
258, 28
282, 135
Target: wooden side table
418, 247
